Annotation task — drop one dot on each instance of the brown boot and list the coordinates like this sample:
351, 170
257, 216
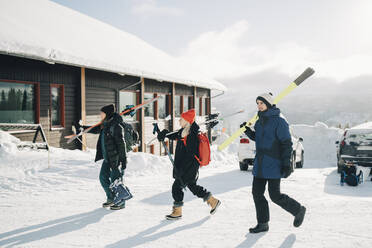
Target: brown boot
214, 203
176, 214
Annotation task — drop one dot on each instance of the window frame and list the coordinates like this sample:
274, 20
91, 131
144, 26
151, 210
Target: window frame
154, 105
37, 95
168, 108
180, 107
62, 110
138, 95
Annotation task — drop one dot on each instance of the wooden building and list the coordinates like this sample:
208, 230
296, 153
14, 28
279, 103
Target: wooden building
55, 77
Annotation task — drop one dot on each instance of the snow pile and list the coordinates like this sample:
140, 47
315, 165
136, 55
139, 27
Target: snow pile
141, 164
319, 141
8, 145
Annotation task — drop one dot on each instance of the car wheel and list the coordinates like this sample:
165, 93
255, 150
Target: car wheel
243, 166
301, 163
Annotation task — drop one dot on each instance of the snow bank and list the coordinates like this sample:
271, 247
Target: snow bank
319, 141
8, 145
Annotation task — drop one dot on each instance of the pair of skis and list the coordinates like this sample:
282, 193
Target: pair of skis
135, 108
306, 74
212, 120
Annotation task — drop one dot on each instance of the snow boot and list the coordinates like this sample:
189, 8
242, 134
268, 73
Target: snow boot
118, 206
108, 203
299, 218
176, 214
261, 227
214, 203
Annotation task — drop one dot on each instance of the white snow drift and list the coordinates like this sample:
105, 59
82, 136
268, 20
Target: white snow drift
60, 206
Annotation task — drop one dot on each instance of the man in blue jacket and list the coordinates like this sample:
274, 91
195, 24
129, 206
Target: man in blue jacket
272, 162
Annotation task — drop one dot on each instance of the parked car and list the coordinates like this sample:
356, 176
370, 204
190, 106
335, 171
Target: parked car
247, 152
355, 148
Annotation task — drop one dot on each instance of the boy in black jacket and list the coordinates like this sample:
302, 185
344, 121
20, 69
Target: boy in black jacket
186, 167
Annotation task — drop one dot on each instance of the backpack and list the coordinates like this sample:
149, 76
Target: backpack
348, 176
204, 149
131, 136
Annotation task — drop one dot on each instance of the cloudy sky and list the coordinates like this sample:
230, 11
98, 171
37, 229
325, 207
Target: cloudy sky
252, 42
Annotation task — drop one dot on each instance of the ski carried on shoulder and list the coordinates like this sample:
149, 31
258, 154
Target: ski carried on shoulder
135, 108
306, 74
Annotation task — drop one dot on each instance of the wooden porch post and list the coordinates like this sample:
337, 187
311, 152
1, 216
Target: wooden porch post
83, 105
142, 116
194, 99
173, 114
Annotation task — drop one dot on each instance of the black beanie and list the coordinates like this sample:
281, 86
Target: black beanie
108, 110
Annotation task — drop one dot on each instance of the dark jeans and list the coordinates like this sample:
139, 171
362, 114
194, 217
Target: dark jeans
262, 207
177, 192
106, 176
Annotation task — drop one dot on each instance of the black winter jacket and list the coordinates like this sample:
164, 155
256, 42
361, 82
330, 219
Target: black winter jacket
186, 166
114, 141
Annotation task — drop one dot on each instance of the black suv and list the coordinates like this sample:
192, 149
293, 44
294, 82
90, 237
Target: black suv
355, 147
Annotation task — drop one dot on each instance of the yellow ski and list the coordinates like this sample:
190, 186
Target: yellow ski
306, 74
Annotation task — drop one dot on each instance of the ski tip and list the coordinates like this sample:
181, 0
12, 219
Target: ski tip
305, 75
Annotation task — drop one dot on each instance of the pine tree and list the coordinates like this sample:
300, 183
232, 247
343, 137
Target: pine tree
24, 100
3, 101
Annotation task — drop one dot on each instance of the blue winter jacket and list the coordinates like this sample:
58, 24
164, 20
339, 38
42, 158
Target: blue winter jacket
273, 144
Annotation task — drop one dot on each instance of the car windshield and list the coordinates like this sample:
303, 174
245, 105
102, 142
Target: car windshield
360, 135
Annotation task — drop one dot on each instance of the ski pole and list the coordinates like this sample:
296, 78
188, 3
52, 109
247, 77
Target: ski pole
306, 74
156, 130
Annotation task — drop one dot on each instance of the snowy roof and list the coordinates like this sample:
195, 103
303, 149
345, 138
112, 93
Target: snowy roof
47, 31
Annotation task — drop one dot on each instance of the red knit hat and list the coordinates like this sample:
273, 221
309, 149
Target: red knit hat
189, 116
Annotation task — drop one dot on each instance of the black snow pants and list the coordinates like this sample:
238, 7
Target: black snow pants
262, 207
177, 192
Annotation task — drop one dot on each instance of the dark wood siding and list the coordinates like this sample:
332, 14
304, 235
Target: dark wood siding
153, 86
15, 68
200, 92
102, 88
184, 90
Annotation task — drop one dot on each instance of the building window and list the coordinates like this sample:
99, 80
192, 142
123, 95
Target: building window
149, 109
57, 105
19, 102
201, 109
185, 104
163, 106
127, 98
177, 105
197, 106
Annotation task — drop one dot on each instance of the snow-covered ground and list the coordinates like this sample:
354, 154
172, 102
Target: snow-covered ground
60, 206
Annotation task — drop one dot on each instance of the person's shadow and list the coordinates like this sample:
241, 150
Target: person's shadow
218, 184
22, 236
147, 236
289, 241
253, 238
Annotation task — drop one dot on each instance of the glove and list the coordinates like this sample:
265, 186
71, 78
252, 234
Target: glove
162, 134
131, 113
286, 171
78, 126
248, 131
